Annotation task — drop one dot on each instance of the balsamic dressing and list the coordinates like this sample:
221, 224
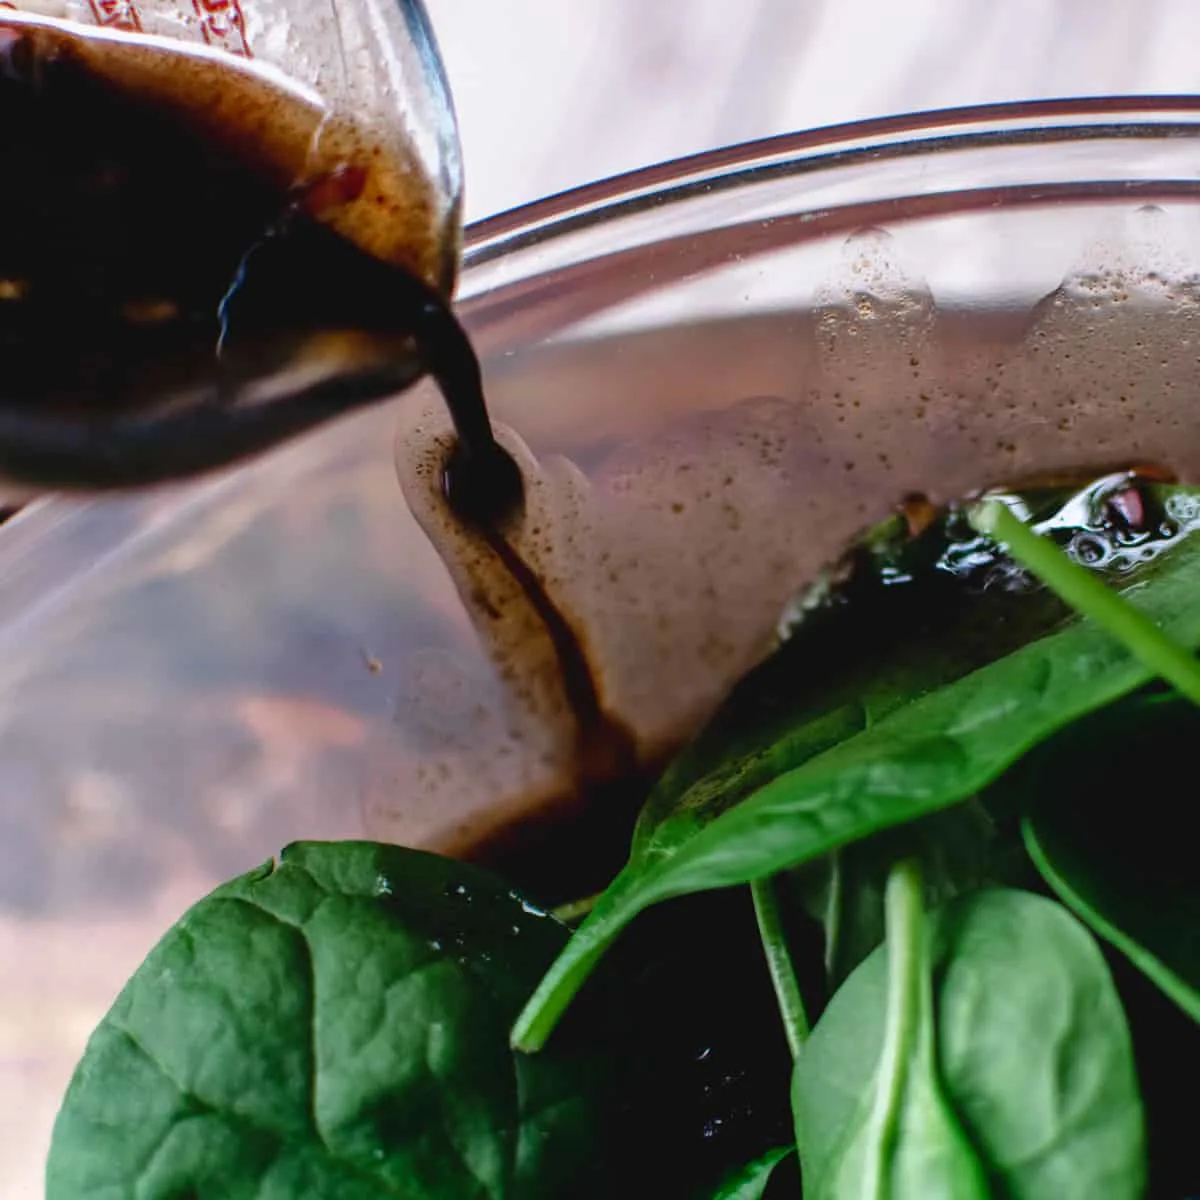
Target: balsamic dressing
197, 261
192, 267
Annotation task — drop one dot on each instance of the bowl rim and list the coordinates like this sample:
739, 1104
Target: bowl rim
926, 132
31, 593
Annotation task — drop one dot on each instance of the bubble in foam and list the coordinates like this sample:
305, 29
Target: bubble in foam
874, 304
1109, 360
1093, 526
873, 322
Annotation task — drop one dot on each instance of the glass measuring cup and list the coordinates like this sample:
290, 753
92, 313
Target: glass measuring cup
258, 170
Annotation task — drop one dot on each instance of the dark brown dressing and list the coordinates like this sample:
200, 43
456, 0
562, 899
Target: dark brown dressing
124, 227
576, 842
156, 253
178, 287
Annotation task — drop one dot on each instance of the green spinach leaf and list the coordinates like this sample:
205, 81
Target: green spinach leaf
333, 1024
915, 614
1131, 875
845, 891
852, 664
750, 1182
1090, 597
927, 754
902, 1140
1033, 1054
847, 667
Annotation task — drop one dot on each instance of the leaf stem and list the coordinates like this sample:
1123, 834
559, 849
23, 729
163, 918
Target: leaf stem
575, 910
1079, 588
904, 919
779, 963
833, 913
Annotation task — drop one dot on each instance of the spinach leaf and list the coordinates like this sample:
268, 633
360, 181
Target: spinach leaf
780, 967
1033, 1054
1130, 875
914, 614
750, 1182
847, 667
332, 1024
851, 664
929, 751
937, 750
845, 890
1088, 596
902, 1140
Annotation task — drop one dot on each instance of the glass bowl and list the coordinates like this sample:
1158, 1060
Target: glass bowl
715, 370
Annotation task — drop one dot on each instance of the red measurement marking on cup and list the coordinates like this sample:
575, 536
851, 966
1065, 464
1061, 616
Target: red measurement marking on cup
117, 14
223, 25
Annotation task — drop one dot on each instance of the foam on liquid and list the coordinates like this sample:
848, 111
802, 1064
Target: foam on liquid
674, 550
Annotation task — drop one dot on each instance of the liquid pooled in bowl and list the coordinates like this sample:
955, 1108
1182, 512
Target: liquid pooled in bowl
670, 523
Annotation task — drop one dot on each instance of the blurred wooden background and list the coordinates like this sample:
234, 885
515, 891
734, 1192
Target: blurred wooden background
554, 93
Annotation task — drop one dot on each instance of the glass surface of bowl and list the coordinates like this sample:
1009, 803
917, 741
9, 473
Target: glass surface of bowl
719, 368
